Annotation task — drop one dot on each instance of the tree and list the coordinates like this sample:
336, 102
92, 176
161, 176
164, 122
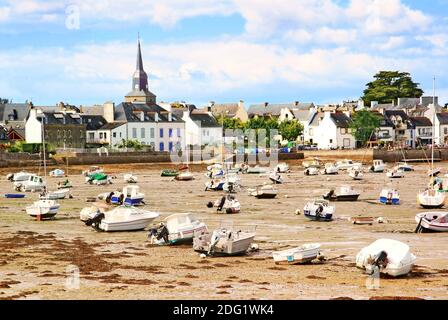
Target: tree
388, 86
365, 123
131, 144
290, 130
231, 123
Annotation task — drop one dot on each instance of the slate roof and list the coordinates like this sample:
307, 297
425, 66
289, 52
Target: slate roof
341, 120
60, 118
230, 109
112, 126
400, 113
275, 109
421, 122
443, 117
206, 120
93, 122
130, 112
301, 115
14, 112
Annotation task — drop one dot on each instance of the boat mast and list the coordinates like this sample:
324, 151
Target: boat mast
43, 147
433, 125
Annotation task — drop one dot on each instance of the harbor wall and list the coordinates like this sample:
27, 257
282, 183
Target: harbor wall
412, 155
365, 155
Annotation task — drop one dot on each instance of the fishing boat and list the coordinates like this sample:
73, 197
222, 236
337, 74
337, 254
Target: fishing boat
378, 166
282, 168
264, 192
169, 173
56, 195
347, 164
405, 166
34, 183
57, 173
130, 178
314, 162
43, 209
300, 255
177, 229
215, 185
228, 204
130, 196
319, 210
224, 242
276, 178
390, 196
395, 173
19, 176
184, 176
92, 170
14, 196
330, 169
356, 174
123, 218
343, 193
257, 170
311, 171
386, 256
432, 222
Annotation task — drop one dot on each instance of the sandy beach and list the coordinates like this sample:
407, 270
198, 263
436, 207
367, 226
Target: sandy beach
34, 256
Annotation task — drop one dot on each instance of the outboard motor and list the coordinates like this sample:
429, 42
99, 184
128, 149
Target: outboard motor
95, 221
159, 233
109, 197
319, 211
221, 204
210, 204
378, 261
10, 177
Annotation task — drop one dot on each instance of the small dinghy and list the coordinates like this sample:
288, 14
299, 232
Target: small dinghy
395, 173
64, 184
184, 176
257, 170
330, 169
56, 195
228, 204
57, 173
347, 164
19, 176
216, 173
343, 193
169, 173
92, 170
319, 210
300, 255
356, 174
177, 229
405, 166
378, 166
216, 166
315, 162
265, 192
390, 257
43, 209
215, 185
390, 196
224, 242
34, 183
311, 171
363, 220
98, 179
123, 218
14, 196
431, 199
282, 168
276, 178
130, 178
432, 222
130, 196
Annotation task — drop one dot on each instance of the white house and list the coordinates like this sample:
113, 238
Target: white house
441, 128
422, 127
201, 128
333, 132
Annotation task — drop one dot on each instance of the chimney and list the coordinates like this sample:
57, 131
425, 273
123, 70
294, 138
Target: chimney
109, 111
266, 104
241, 104
170, 116
296, 103
156, 117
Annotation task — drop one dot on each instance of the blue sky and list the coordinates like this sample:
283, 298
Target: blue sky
324, 51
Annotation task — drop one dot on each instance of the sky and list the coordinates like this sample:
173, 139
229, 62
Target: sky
321, 51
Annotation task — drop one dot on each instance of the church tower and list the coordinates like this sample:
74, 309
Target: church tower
140, 90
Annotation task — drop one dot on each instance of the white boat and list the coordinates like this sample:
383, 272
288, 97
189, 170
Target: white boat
216, 166
177, 228
184, 176
315, 162
405, 166
56, 195
432, 222
355, 174
390, 196
43, 209
319, 210
224, 242
257, 170
123, 218
347, 164
330, 169
311, 171
34, 183
215, 185
130, 196
378, 166
386, 256
90, 212
130, 178
57, 173
276, 178
92, 170
395, 173
229, 204
431, 199
19, 176
343, 193
264, 192
282, 168
434, 172
300, 255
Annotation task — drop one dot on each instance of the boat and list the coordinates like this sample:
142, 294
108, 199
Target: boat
215, 174
99, 178
311, 171
282, 168
92, 170
57, 173
232, 183
215, 185
432, 222
56, 195
362, 220
90, 212
355, 174
347, 164
265, 192
184, 176
434, 172
43, 209
343, 193
169, 173
330, 169
14, 196
390, 196
64, 184
386, 256
319, 210
378, 166
300, 255
395, 173
19, 176
34, 183
276, 178
431, 199
130, 178
229, 204
176, 229
314, 162
130, 196
224, 242
122, 218
216, 166
257, 170
405, 166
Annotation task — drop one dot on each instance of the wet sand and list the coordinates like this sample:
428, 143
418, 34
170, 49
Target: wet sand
34, 256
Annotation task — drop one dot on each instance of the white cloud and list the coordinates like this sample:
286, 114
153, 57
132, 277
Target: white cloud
4, 13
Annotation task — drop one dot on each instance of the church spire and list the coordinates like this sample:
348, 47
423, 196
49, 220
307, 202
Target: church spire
139, 56
140, 79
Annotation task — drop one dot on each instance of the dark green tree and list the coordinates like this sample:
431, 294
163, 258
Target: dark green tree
365, 123
388, 86
231, 123
290, 130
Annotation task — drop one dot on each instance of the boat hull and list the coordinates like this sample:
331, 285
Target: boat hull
347, 198
386, 200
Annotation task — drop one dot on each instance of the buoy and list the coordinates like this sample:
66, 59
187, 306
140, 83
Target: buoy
298, 212
380, 220
203, 255
254, 247
286, 196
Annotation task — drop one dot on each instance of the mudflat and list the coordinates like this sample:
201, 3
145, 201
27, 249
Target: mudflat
37, 258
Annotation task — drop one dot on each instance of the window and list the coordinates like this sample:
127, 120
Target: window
105, 135
134, 133
445, 130
91, 136
161, 146
170, 146
161, 132
170, 133
346, 143
101, 135
151, 133
114, 134
142, 133
311, 131
178, 132
120, 134
331, 140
